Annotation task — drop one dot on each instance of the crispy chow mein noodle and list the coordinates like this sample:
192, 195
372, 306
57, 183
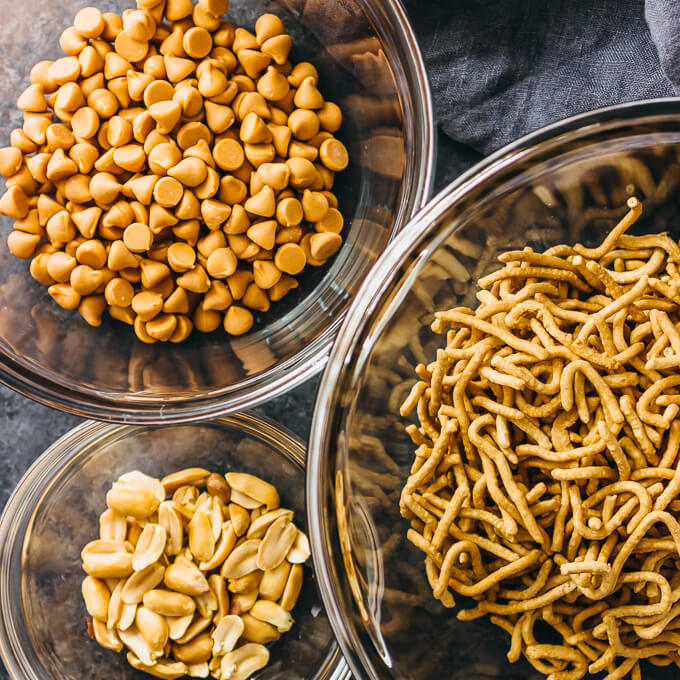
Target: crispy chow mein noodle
546, 481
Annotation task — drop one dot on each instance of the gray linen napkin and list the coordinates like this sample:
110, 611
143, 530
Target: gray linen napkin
502, 68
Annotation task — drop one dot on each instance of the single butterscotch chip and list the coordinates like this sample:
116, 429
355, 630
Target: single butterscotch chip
33, 99
85, 280
197, 42
139, 26
302, 172
158, 91
119, 292
14, 203
266, 274
263, 234
138, 237
64, 295
228, 154
330, 117
167, 114
278, 48
279, 290
314, 206
163, 157
273, 85
212, 80
304, 124
92, 308
168, 192
267, 26
290, 259
323, 245
206, 320
129, 48
85, 122
121, 257
181, 257
147, 305
71, 42
190, 171
89, 22
263, 203
333, 155
10, 161
332, 222
103, 102
113, 25
22, 245
130, 157
162, 327
238, 320
222, 262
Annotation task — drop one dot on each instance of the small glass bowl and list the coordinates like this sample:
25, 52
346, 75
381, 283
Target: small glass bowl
54, 512
566, 183
369, 63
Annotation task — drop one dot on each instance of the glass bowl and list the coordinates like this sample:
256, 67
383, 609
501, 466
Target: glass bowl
54, 512
370, 64
566, 183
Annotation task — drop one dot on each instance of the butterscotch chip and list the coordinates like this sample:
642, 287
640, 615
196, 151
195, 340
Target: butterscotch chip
181, 257
212, 80
263, 233
113, 25
205, 19
168, 192
140, 331
147, 305
120, 257
162, 327
139, 26
323, 245
228, 154
278, 48
129, 48
190, 171
189, 207
85, 122
21, 244
209, 187
130, 157
64, 295
178, 68
206, 320
163, 157
290, 259
197, 42
302, 172
14, 203
72, 42
301, 72
195, 280
218, 298
91, 309
215, 7
85, 280
304, 124
314, 206
138, 237
263, 203
333, 155
89, 22
92, 253
119, 293
222, 262
64, 70
158, 91
191, 134
10, 161
33, 99
279, 290
103, 102
167, 114
266, 274
330, 117
238, 320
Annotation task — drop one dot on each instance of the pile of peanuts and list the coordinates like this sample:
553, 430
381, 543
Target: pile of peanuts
190, 179
196, 584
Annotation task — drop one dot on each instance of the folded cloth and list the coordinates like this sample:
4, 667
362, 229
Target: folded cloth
502, 68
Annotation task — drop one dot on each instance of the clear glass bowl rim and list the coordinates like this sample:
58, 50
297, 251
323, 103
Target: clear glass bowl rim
65, 451
306, 363
366, 304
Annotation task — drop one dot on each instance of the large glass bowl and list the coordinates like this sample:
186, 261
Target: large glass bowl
370, 64
54, 512
566, 183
